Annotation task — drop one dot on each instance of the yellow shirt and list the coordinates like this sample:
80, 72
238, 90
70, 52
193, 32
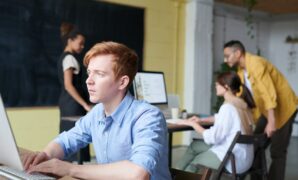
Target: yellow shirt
270, 89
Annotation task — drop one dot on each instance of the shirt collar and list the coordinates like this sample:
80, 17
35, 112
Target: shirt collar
122, 108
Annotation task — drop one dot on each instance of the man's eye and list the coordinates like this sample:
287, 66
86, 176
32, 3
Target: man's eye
100, 74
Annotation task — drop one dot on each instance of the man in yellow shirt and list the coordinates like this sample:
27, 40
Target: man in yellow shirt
275, 100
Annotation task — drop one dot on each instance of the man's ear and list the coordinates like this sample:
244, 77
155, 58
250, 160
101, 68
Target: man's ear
238, 53
69, 40
123, 82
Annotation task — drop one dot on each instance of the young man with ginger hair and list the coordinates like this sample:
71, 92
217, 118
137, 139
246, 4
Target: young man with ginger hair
129, 136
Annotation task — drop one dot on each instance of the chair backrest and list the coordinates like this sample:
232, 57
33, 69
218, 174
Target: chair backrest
258, 140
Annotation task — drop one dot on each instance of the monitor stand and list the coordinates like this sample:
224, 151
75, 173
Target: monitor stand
164, 108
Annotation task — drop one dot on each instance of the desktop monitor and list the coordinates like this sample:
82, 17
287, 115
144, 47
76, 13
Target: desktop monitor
151, 87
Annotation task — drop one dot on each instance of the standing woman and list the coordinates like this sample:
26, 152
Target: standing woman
233, 116
71, 102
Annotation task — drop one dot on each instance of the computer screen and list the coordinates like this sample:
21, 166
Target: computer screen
9, 154
151, 87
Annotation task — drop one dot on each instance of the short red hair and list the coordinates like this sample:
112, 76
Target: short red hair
125, 59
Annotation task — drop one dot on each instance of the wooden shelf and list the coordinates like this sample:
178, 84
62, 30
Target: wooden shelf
292, 41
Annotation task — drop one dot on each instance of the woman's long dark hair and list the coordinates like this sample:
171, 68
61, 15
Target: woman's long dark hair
232, 80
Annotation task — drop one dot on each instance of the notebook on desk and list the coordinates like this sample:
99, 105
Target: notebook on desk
11, 164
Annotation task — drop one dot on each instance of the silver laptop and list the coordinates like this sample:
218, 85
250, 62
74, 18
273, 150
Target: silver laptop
11, 164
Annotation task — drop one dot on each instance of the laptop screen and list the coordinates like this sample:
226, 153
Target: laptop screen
151, 87
9, 154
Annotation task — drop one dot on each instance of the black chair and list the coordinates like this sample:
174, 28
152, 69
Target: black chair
259, 141
184, 175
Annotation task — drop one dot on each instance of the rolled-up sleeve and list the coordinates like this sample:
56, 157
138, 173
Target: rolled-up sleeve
149, 140
74, 139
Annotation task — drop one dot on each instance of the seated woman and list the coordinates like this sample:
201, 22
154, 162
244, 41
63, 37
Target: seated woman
233, 116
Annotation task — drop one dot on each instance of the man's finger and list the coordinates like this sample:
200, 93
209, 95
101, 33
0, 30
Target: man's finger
28, 161
38, 159
42, 167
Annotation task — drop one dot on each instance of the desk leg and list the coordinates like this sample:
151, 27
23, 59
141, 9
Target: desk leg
170, 148
80, 157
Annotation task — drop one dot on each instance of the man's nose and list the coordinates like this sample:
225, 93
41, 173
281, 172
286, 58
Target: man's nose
89, 80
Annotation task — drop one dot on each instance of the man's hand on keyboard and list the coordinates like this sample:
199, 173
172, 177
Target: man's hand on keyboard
32, 159
54, 167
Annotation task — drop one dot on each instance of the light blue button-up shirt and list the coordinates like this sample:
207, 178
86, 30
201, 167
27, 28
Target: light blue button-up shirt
135, 131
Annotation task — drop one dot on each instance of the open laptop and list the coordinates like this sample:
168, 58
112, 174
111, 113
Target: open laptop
151, 87
11, 165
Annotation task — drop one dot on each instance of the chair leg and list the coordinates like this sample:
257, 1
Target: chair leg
264, 166
233, 167
206, 174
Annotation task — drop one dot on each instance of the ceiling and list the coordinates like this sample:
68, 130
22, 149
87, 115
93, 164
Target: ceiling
269, 6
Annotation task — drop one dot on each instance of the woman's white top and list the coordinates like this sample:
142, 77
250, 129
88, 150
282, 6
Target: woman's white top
70, 61
247, 82
227, 123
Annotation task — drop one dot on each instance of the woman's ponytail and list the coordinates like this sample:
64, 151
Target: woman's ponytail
247, 97
232, 80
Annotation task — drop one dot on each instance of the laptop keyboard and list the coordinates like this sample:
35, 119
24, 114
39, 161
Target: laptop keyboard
16, 174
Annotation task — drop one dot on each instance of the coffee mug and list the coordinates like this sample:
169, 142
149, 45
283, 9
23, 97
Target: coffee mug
175, 113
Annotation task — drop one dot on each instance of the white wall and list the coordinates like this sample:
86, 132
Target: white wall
230, 24
198, 58
284, 55
280, 51
270, 34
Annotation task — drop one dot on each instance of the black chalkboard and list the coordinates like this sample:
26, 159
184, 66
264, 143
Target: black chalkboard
30, 43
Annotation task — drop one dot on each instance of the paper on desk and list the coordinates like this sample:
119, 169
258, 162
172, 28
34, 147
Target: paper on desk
173, 121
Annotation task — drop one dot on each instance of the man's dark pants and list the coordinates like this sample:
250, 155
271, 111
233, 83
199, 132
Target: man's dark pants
279, 148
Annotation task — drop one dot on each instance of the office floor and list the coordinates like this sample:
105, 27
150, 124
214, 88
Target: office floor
292, 159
